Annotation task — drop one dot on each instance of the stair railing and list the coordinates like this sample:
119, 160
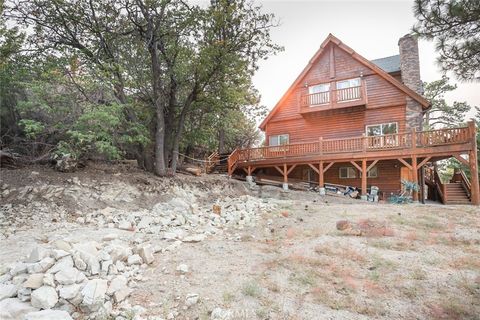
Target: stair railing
232, 161
460, 177
211, 161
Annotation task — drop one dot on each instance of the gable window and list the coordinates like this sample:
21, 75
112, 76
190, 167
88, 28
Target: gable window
319, 94
373, 173
348, 90
382, 129
348, 173
278, 140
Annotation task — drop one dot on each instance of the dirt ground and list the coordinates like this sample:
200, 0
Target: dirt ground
424, 263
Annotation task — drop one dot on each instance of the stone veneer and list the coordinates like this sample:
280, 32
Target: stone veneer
410, 68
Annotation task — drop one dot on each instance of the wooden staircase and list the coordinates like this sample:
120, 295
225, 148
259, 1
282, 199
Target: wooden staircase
456, 191
217, 162
456, 194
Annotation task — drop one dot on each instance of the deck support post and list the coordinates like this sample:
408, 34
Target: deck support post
285, 177
415, 176
473, 159
321, 181
364, 179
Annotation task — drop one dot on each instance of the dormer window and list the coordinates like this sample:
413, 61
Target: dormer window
348, 90
319, 94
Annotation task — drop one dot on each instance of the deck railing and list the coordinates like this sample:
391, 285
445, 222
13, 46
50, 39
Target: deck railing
332, 96
421, 139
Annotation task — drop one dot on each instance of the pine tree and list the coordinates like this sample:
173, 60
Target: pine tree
455, 28
441, 113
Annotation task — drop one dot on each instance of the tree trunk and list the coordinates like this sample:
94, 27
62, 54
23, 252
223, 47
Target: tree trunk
221, 140
180, 127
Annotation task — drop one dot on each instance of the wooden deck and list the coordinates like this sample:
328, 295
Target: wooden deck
412, 149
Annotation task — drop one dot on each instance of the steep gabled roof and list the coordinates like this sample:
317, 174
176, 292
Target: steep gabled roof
388, 64
332, 39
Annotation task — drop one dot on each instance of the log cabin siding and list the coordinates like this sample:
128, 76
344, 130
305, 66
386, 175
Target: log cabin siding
339, 123
386, 103
388, 180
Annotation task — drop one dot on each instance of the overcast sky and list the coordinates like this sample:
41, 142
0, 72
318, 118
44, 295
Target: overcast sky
371, 28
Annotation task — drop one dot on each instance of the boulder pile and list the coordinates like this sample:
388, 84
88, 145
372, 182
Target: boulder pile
180, 219
69, 280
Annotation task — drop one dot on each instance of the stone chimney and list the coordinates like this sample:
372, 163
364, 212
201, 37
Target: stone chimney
410, 68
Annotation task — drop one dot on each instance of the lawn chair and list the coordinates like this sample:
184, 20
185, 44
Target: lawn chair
373, 195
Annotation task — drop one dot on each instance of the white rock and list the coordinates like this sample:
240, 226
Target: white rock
14, 309
57, 254
191, 299
146, 252
121, 294
49, 280
134, 259
110, 237
94, 294
63, 263
120, 253
18, 268
41, 266
62, 245
145, 222
182, 268
120, 266
38, 253
79, 263
34, 281
5, 277
69, 276
69, 291
7, 291
48, 315
194, 238
44, 297
125, 225
117, 283
23, 294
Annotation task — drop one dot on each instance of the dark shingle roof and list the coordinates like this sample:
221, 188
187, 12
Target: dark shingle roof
388, 64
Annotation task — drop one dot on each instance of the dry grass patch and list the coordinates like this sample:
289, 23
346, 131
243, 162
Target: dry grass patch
466, 262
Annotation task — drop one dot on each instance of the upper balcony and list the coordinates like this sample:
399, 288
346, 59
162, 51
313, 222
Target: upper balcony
337, 98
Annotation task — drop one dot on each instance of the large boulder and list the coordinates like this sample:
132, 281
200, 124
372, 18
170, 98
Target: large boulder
37, 254
7, 291
48, 315
146, 252
69, 276
94, 294
70, 291
34, 281
44, 297
62, 263
14, 309
41, 266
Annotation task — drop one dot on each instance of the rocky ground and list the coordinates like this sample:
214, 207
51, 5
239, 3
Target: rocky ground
112, 242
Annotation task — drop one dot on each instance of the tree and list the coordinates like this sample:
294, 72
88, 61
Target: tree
441, 113
454, 26
160, 59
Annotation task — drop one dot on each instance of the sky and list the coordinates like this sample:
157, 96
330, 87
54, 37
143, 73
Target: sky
371, 28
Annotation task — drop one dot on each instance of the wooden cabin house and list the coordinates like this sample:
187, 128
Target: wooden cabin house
355, 122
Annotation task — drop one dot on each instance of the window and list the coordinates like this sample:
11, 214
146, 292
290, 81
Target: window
278, 140
324, 87
349, 83
319, 94
382, 129
347, 173
348, 90
378, 131
373, 173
